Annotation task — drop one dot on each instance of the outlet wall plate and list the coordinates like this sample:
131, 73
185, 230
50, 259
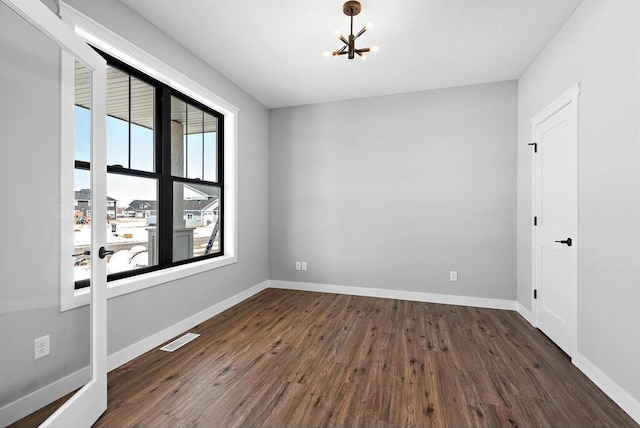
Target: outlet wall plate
41, 347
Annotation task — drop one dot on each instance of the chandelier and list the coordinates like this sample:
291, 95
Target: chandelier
351, 9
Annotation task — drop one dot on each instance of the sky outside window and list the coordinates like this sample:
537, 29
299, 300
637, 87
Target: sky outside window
117, 131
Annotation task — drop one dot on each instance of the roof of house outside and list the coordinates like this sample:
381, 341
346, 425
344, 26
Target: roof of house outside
141, 205
210, 191
197, 205
85, 195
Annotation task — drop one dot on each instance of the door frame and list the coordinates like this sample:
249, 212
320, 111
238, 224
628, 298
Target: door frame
86, 405
569, 99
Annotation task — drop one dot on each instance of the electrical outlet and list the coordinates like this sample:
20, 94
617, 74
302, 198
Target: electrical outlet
453, 276
41, 347
298, 266
304, 265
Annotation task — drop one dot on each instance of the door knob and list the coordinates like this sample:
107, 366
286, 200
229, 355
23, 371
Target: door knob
102, 253
566, 241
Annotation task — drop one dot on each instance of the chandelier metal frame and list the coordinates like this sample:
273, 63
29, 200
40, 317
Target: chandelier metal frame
352, 8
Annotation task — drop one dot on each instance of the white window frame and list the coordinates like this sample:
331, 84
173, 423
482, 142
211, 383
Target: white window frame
109, 42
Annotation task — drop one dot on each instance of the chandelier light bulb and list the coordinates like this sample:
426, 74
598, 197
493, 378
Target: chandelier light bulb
327, 53
375, 48
369, 25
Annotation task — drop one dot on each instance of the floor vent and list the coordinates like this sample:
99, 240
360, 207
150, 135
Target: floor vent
181, 341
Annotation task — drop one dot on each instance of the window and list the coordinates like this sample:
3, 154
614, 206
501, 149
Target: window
165, 187
146, 68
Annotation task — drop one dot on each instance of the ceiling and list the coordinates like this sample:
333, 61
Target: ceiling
273, 49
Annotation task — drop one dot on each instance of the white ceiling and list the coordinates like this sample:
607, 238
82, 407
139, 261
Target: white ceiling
273, 49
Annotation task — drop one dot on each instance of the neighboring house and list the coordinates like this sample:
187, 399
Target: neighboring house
197, 212
82, 204
201, 204
139, 208
200, 212
111, 207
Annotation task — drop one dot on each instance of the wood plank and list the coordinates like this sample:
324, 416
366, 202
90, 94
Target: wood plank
290, 359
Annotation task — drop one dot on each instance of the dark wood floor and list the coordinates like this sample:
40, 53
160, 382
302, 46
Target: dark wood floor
39, 416
298, 359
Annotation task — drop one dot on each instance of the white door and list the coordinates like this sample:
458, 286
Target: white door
555, 134
86, 406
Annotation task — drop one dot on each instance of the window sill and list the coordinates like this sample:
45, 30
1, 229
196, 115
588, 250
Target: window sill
132, 284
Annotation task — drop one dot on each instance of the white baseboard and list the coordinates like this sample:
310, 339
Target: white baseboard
127, 354
26, 405
526, 314
448, 299
621, 397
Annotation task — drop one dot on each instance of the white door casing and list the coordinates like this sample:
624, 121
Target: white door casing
84, 407
555, 231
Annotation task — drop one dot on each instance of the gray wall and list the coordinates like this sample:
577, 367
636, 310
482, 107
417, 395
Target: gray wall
30, 217
394, 192
598, 46
31, 168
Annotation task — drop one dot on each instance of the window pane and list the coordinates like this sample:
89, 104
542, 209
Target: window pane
82, 224
82, 113
142, 153
210, 148
117, 142
142, 115
195, 220
194, 142
132, 216
178, 124
82, 133
118, 117
82, 177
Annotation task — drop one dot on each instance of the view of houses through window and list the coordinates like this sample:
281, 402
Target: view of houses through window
144, 234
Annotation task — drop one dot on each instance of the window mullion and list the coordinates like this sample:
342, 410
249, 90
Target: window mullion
82, 165
129, 114
186, 140
202, 139
165, 197
220, 177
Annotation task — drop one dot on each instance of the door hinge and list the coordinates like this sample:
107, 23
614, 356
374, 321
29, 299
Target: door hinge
535, 220
535, 147
535, 294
